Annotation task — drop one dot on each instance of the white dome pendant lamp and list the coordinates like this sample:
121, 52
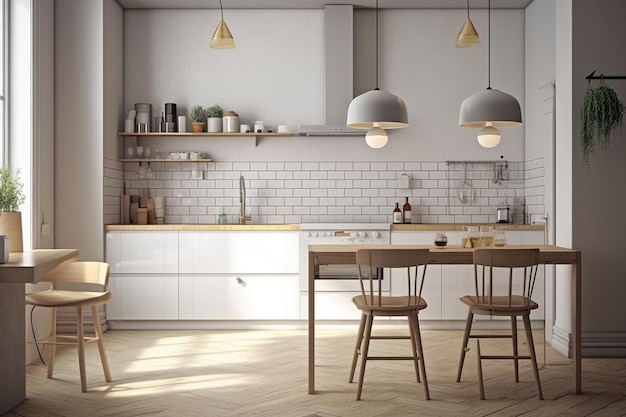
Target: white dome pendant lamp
222, 38
377, 110
490, 109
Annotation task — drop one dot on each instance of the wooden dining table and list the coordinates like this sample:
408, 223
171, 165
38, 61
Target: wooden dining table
449, 255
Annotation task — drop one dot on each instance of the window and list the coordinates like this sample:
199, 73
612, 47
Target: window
3, 79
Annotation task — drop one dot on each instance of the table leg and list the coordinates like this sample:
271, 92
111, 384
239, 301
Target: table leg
577, 299
311, 323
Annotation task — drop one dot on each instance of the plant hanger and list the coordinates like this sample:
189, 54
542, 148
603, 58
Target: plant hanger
604, 77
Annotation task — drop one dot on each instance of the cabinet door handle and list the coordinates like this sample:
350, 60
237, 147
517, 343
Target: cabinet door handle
241, 282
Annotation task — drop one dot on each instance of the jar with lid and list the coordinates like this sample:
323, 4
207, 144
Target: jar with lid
230, 122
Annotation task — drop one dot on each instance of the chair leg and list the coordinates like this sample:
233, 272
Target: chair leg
464, 348
80, 337
103, 353
533, 357
420, 351
515, 350
51, 348
481, 386
357, 348
414, 347
366, 345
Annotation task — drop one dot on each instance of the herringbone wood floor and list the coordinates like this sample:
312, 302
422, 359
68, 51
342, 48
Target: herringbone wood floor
264, 373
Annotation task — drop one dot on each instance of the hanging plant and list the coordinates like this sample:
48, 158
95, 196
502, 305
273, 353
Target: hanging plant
601, 116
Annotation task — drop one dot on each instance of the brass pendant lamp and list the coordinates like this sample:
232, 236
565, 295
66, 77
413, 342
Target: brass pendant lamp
377, 110
468, 37
490, 109
222, 38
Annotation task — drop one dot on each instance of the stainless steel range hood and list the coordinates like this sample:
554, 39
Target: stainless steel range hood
338, 73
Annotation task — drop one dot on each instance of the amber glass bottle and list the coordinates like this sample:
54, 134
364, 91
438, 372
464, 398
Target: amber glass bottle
406, 211
397, 214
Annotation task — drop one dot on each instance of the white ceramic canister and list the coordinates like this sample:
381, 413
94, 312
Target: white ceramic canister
230, 122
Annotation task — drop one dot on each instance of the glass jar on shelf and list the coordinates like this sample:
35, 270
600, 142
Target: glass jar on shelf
472, 235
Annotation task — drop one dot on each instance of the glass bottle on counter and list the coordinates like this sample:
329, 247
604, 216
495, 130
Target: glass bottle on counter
397, 214
406, 211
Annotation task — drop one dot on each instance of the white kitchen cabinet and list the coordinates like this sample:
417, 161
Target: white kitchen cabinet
239, 275
239, 252
143, 297
238, 297
143, 276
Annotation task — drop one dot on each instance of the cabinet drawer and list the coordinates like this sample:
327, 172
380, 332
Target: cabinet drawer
139, 252
143, 297
226, 252
238, 297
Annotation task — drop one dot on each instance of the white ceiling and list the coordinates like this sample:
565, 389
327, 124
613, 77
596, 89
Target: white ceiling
319, 4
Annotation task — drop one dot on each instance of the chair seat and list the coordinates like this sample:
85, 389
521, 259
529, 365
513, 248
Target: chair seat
60, 298
500, 304
389, 304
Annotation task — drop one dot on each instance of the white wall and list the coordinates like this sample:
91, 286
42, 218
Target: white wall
540, 115
276, 74
82, 109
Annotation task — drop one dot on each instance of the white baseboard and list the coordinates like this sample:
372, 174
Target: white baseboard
593, 345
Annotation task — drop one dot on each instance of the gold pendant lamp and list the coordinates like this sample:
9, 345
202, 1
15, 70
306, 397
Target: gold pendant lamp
222, 38
468, 37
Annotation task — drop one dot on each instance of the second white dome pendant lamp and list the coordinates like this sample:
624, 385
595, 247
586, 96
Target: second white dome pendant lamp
377, 110
490, 109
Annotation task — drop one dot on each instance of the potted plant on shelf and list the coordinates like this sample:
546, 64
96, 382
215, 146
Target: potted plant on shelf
198, 115
601, 118
11, 197
214, 122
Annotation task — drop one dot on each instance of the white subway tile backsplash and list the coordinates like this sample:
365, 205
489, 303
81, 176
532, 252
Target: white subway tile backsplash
296, 192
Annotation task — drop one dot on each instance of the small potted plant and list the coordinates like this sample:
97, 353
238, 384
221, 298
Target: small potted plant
11, 197
214, 122
198, 116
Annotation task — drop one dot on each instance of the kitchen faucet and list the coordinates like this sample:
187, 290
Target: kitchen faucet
242, 201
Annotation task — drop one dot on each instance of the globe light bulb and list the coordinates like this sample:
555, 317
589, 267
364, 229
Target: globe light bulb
489, 136
376, 137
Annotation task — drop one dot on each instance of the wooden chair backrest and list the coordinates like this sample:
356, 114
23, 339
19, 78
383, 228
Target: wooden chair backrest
81, 272
368, 260
517, 268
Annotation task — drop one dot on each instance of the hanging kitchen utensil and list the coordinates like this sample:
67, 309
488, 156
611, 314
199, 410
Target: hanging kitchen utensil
464, 189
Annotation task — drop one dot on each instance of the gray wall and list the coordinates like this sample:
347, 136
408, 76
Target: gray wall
598, 205
276, 74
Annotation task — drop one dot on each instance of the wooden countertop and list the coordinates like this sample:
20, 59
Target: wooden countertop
200, 227
460, 227
445, 227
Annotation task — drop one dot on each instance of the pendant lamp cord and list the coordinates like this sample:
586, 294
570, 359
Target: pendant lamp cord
468, 9
222, 9
376, 44
488, 45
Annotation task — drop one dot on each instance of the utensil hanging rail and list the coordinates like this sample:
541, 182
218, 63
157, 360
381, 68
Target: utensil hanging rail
604, 77
477, 162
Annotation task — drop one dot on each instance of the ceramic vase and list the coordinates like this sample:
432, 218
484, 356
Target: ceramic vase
214, 124
11, 225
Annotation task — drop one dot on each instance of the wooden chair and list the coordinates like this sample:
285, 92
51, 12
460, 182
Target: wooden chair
372, 304
514, 272
75, 273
